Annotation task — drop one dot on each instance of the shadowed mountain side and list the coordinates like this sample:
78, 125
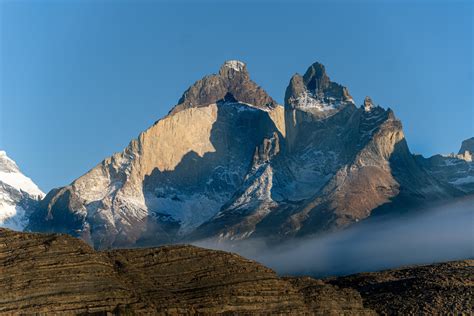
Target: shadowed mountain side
198, 186
417, 188
401, 186
336, 165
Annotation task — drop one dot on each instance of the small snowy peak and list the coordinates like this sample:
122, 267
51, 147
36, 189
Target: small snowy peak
314, 92
235, 65
7, 164
20, 182
11, 175
17, 194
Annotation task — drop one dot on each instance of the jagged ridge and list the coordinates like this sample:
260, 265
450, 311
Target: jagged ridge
228, 162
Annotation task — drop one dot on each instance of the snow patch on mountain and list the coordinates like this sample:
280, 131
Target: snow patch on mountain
17, 193
464, 180
12, 216
11, 175
189, 210
235, 64
308, 101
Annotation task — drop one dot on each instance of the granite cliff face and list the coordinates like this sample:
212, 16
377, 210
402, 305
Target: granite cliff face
337, 164
228, 162
177, 174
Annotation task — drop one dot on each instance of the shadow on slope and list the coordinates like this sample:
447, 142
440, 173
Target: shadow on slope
198, 186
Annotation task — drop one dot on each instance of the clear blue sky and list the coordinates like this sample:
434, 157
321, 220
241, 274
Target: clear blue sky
80, 79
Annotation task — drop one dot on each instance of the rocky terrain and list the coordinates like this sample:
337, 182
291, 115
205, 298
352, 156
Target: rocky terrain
19, 196
51, 273
61, 274
228, 162
438, 289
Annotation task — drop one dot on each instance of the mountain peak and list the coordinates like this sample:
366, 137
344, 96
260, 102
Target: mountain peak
11, 175
368, 104
467, 145
233, 65
232, 79
17, 194
7, 164
315, 90
316, 78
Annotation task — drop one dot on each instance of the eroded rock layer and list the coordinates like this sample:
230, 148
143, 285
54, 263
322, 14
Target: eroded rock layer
62, 275
59, 274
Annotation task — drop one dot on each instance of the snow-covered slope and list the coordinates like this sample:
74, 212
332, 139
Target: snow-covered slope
18, 195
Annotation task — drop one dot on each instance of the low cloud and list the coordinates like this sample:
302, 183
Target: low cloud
437, 234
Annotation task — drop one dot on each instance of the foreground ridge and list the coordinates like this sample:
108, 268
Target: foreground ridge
51, 273
61, 274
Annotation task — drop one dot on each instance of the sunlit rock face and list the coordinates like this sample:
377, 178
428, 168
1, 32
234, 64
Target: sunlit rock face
177, 174
19, 195
228, 162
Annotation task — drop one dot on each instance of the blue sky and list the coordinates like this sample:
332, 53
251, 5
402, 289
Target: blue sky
80, 79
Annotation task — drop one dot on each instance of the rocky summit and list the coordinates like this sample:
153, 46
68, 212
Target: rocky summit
58, 274
229, 162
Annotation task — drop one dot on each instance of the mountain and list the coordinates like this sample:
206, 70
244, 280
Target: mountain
177, 174
229, 162
18, 195
455, 169
59, 274
337, 164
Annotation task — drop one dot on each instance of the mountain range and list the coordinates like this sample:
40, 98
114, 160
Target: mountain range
230, 163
